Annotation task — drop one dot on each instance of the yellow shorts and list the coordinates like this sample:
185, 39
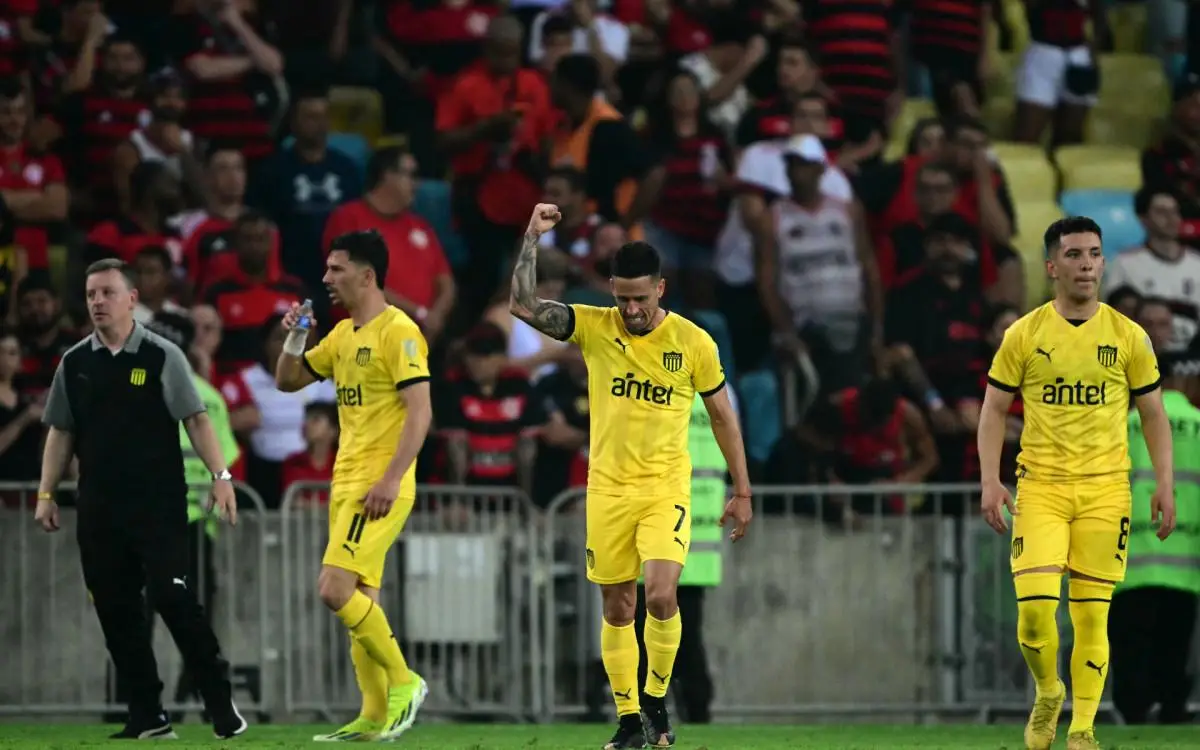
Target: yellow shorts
358, 545
1082, 526
624, 531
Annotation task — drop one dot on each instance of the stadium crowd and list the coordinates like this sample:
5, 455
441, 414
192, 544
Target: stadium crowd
219, 145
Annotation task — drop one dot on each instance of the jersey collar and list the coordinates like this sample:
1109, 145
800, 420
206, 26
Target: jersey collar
132, 344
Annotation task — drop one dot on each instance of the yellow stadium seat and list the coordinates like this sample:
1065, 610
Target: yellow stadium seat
1133, 83
1107, 128
1032, 220
1014, 13
1099, 167
1002, 83
358, 110
1029, 173
1128, 24
912, 112
998, 115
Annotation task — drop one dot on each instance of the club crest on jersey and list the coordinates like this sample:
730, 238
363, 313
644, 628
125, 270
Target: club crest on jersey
1106, 355
363, 356
672, 361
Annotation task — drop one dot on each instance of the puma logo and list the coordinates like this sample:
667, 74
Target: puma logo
623, 696
1034, 649
348, 548
681, 544
1119, 558
1099, 668
621, 344
662, 678
1043, 352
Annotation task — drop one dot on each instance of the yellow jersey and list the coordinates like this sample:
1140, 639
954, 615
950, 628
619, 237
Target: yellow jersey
1076, 379
640, 390
370, 366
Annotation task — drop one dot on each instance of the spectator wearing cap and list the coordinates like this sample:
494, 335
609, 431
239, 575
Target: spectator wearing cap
42, 330
1163, 267
153, 269
270, 422
593, 33
935, 336
161, 137
488, 416
723, 67
623, 180
303, 184
155, 198
494, 123
1173, 165
418, 279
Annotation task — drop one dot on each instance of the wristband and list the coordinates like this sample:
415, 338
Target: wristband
294, 343
45, 496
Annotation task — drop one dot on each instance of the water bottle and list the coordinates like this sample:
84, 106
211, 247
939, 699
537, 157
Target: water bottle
305, 321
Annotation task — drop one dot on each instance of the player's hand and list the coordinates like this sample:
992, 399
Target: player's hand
1162, 510
46, 514
995, 498
222, 497
545, 216
292, 317
380, 498
738, 508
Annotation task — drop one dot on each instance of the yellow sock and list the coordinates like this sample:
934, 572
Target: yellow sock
1088, 602
372, 681
1037, 630
662, 642
369, 626
619, 651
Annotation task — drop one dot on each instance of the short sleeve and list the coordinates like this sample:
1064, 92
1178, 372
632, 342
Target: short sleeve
179, 390
583, 321
1008, 366
1142, 368
708, 376
319, 360
407, 356
218, 414
452, 112
57, 413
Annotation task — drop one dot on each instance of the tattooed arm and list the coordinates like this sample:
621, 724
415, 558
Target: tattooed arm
548, 316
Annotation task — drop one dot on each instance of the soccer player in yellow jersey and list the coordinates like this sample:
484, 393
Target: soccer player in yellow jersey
645, 366
377, 358
1076, 362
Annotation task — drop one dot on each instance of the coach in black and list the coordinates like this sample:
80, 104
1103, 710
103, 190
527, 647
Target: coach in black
116, 402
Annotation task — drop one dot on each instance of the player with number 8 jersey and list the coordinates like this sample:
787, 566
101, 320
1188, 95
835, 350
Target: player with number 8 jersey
645, 367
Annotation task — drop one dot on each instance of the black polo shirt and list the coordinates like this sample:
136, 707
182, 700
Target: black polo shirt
123, 410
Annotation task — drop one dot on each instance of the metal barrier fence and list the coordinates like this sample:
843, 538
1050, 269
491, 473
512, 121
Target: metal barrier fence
874, 600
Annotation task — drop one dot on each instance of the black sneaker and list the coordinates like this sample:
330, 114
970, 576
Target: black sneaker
229, 723
629, 734
150, 728
657, 723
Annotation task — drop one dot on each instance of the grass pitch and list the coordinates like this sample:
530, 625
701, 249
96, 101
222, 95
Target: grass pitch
593, 736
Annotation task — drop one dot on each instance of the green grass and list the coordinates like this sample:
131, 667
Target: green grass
592, 737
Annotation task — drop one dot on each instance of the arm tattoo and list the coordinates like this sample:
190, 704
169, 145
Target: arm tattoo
550, 317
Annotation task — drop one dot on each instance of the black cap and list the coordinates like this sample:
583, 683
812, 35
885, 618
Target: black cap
486, 339
174, 327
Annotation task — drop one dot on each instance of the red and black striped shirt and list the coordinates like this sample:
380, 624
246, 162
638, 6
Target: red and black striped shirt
221, 110
12, 51
854, 47
690, 205
946, 27
493, 422
97, 121
1059, 23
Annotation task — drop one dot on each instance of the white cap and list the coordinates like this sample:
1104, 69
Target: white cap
806, 147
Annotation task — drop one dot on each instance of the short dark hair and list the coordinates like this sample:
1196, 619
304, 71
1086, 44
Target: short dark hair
250, 216
1052, 240
1118, 296
384, 160
1145, 196
37, 280
269, 326
365, 246
218, 146
158, 253
113, 264
556, 24
573, 176
1159, 301
313, 89
579, 72
794, 39
326, 409
636, 259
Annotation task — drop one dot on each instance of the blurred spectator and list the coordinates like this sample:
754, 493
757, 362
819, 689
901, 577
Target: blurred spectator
529, 349
418, 279
623, 181
302, 186
558, 40
207, 342
1059, 79
817, 274
14, 266
17, 35
1173, 166
235, 74
562, 459
94, 122
270, 422
249, 297
927, 139
996, 322
208, 251
20, 418
494, 123
723, 66
43, 333
1126, 301
153, 266
315, 462
314, 36
935, 334
598, 35
566, 187
161, 138
32, 184
1155, 316
488, 416
68, 64
155, 198
683, 225
947, 37
798, 77
673, 29
1163, 267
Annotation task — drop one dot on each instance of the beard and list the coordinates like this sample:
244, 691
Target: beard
36, 326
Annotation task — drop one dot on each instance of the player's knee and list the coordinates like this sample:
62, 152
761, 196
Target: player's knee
335, 587
661, 601
619, 603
